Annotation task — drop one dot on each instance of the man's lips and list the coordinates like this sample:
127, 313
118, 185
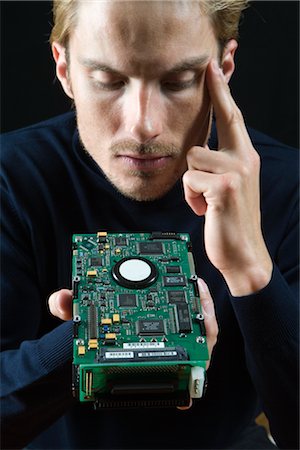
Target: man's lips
144, 162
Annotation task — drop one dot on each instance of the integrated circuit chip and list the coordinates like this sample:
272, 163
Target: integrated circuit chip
179, 280
121, 241
173, 269
150, 327
127, 300
151, 248
184, 319
176, 297
96, 262
87, 245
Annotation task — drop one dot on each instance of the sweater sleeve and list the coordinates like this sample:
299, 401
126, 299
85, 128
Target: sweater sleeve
269, 323
35, 364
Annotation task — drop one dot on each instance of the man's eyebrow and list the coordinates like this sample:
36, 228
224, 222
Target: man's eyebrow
95, 65
188, 64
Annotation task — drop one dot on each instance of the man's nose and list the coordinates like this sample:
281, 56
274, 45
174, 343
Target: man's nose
143, 113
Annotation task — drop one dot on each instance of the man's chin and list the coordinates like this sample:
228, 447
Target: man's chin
145, 190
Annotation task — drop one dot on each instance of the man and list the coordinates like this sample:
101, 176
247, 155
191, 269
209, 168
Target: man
145, 78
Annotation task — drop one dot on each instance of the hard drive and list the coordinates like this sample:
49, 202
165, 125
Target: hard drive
139, 334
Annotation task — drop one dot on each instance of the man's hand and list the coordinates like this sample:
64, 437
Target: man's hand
223, 185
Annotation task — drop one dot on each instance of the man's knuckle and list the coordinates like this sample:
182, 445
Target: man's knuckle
234, 116
228, 183
245, 170
188, 177
250, 165
192, 155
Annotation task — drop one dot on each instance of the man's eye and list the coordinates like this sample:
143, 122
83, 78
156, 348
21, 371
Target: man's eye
178, 85
114, 86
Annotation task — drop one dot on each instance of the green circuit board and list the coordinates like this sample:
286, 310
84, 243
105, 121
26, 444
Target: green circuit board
139, 334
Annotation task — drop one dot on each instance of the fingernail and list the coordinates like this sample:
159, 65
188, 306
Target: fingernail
57, 304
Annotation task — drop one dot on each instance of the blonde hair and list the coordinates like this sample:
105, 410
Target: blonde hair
225, 16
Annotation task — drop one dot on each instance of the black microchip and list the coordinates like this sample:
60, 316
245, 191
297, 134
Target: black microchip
184, 320
121, 241
176, 297
87, 245
173, 269
96, 262
165, 235
109, 342
179, 280
150, 327
127, 300
151, 248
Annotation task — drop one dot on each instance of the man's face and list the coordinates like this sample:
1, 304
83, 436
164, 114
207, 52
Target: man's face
137, 75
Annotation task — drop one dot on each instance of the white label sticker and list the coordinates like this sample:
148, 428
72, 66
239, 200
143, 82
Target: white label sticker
151, 354
114, 355
143, 345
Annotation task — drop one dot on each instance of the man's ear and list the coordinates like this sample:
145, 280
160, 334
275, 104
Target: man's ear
62, 70
228, 65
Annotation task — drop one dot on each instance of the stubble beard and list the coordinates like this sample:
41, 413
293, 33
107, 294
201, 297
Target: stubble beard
141, 185
144, 187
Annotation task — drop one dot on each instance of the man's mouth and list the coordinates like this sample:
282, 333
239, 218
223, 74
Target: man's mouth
144, 162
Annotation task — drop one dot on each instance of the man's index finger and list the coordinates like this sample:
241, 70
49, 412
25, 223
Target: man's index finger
229, 120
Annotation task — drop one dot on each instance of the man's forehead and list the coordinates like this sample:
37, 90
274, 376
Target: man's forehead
181, 8
148, 32
139, 18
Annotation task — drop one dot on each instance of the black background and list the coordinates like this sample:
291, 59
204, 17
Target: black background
265, 85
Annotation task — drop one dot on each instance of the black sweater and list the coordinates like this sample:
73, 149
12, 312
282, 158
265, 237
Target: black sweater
51, 188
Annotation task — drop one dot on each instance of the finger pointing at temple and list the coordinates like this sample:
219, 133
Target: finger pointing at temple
232, 133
